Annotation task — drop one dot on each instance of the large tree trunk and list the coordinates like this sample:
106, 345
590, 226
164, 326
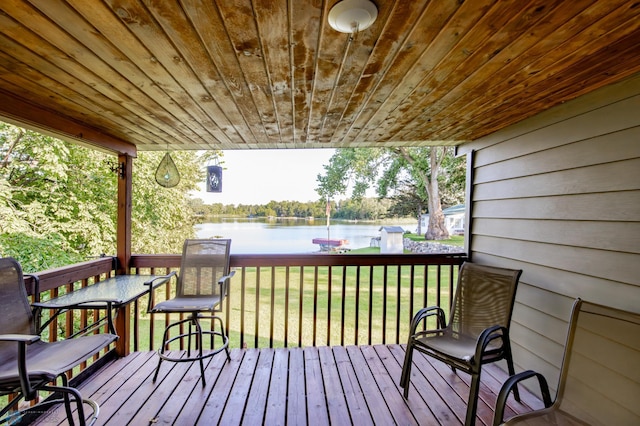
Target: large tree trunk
436, 229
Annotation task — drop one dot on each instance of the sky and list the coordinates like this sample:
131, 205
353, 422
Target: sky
259, 176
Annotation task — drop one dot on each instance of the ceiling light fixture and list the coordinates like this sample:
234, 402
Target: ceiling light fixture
351, 16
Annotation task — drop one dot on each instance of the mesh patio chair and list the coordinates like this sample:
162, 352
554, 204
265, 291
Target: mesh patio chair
29, 365
599, 377
477, 332
200, 290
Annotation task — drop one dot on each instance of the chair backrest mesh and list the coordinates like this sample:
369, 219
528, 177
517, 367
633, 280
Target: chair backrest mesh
15, 311
600, 379
204, 262
484, 297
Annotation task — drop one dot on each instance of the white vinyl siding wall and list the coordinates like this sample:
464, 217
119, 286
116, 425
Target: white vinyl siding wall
558, 195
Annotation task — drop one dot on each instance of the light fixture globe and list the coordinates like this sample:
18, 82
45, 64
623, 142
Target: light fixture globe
351, 16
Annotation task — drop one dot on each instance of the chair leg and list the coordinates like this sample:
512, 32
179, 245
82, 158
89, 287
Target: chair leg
66, 392
192, 321
405, 378
224, 337
512, 371
199, 344
165, 337
196, 333
67, 402
81, 417
67, 408
472, 405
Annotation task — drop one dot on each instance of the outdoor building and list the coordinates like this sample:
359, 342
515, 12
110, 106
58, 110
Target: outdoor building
391, 239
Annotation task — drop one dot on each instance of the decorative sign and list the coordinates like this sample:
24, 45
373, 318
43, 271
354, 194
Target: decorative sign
214, 179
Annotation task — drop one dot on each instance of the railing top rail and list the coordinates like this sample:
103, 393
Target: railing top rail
250, 260
57, 277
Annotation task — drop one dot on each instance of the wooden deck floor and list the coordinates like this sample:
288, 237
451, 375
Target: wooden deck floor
310, 386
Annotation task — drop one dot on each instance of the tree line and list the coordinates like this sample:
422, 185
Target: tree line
360, 209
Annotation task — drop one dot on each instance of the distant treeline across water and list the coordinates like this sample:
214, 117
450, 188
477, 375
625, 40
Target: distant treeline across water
277, 235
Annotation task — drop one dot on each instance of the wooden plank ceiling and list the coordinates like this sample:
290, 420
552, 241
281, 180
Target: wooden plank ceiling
247, 74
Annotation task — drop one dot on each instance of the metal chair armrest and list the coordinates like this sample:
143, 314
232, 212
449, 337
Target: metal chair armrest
425, 313
25, 338
152, 287
487, 336
509, 385
223, 283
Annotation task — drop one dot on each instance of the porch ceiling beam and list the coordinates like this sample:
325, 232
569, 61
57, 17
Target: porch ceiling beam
24, 114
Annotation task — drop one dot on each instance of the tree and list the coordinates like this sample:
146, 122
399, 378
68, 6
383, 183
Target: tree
57, 197
416, 171
407, 202
426, 175
58, 201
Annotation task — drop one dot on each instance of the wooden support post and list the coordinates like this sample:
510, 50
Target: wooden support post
123, 329
125, 163
123, 317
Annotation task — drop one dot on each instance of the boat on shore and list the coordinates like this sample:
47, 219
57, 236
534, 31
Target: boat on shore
333, 244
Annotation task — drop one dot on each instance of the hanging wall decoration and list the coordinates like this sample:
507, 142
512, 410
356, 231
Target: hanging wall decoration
167, 174
214, 177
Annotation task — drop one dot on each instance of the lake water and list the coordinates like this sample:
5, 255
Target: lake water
288, 235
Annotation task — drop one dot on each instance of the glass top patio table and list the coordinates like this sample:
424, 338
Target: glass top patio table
110, 293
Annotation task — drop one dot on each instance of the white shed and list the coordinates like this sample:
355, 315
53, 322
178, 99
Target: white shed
391, 239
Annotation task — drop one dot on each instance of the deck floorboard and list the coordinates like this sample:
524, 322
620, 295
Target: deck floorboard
309, 386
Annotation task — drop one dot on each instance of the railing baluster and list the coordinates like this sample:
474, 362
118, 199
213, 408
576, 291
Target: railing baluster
411, 290
329, 282
315, 304
384, 305
439, 283
370, 324
425, 288
273, 305
243, 292
357, 304
257, 319
398, 299
286, 306
343, 291
301, 289
83, 319
53, 326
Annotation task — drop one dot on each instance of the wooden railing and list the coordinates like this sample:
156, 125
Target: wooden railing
314, 300
284, 300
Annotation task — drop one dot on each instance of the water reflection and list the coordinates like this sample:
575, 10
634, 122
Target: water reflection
287, 235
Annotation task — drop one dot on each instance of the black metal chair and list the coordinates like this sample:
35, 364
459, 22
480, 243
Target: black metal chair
478, 328
200, 289
27, 363
599, 380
